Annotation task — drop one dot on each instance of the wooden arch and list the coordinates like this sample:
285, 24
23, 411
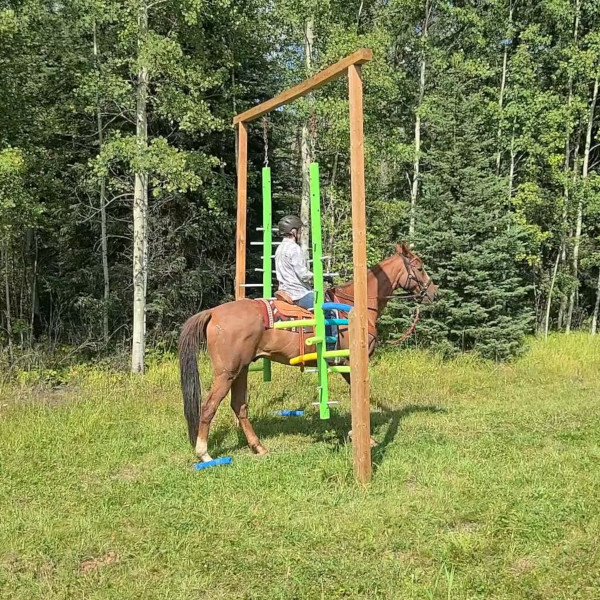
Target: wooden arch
349, 66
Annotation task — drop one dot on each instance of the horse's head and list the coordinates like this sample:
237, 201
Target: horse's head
413, 278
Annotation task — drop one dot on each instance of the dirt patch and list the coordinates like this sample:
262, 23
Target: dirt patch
522, 565
129, 474
92, 564
39, 395
42, 570
466, 527
13, 564
412, 483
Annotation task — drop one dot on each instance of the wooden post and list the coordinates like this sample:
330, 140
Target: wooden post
240, 236
359, 334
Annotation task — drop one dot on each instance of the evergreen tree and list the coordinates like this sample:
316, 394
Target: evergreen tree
469, 237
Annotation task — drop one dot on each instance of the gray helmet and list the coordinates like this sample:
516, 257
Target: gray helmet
288, 223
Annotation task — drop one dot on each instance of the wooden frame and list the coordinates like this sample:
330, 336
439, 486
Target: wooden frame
349, 66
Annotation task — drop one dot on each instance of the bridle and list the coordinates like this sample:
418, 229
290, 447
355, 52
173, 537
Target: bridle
411, 265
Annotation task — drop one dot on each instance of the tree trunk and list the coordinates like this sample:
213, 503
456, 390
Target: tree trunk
9, 332
502, 88
306, 145
414, 190
596, 307
549, 300
569, 302
566, 193
103, 229
500, 103
562, 309
579, 224
511, 171
104, 241
34, 293
140, 211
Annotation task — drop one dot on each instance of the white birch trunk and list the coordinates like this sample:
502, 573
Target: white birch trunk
579, 224
501, 96
140, 213
549, 300
500, 105
570, 300
594, 328
414, 190
306, 148
103, 228
566, 192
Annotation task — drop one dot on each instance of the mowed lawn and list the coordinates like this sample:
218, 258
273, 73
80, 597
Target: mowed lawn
486, 485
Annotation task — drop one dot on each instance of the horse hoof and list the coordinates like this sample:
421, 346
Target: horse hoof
204, 457
260, 450
372, 442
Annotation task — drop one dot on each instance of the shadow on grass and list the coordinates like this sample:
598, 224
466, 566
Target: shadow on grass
333, 431
394, 417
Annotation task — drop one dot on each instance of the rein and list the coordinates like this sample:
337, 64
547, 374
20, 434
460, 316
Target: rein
410, 277
408, 332
413, 325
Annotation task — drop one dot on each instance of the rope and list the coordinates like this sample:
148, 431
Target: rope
313, 126
409, 331
265, 125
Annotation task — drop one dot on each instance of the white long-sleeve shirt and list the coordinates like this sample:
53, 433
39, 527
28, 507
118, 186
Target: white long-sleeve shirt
292, 271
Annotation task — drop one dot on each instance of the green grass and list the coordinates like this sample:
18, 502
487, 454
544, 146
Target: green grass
486, 485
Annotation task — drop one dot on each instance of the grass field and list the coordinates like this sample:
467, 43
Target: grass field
486, 485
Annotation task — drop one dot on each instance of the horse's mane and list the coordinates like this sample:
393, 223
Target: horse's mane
371, 270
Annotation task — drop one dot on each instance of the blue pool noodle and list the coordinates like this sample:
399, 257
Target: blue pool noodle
290, 413
224, 460
337, 306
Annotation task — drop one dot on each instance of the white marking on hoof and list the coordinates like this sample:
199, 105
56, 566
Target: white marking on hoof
202, 450
373, 442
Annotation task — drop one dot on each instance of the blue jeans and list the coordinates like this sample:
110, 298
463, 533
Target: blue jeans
308, 301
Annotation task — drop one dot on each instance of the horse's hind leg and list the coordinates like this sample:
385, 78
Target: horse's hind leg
239, 404
220, 388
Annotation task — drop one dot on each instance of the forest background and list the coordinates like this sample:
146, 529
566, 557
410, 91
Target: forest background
117, 161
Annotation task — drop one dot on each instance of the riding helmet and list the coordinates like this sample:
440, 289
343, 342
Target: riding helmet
288, 223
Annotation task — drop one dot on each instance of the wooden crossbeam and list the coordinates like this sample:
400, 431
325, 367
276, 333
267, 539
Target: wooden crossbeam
339, 69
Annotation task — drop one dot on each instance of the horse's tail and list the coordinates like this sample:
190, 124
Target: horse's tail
192, 336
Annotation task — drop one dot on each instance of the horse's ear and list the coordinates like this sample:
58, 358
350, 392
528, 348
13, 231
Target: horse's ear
403, 248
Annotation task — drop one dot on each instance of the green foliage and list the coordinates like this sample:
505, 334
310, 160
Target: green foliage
18, 208
501, 171
472, 243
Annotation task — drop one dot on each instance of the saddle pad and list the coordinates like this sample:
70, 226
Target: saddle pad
275, 310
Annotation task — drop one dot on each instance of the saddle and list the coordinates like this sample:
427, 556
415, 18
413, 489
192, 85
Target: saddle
284, 306
284, 309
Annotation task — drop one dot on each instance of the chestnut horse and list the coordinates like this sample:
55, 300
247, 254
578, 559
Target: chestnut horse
235, 336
